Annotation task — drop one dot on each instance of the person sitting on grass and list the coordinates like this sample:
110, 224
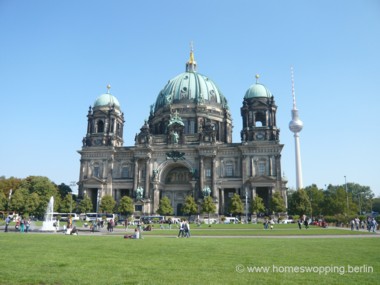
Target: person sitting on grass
74, 231
136, 235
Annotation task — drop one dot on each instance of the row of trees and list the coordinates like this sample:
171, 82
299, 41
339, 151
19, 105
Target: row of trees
31, 196
348, 200
236, 205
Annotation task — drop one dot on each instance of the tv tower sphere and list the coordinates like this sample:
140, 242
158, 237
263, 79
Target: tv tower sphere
295, 125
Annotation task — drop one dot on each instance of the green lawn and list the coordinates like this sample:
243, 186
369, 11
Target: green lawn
109, 259
254, 230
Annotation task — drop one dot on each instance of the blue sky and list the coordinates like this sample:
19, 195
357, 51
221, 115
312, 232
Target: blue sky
57, 57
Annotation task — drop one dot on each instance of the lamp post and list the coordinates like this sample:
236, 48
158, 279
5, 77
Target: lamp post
97, 205
206, 192
9, 198
345, 181
72, 184
246, 206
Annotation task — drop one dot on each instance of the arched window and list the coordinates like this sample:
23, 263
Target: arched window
229, 170
260, 120
125, 172
100, 125
96, 171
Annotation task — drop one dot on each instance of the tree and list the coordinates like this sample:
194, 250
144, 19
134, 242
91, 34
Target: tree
165, 208
361, 196
126, 206
208, 205
66, 205
277, 203
316, 198
107, 204
17, 202
335, 201
376, 205
63, 190
257, 205
85, 205
45, 189
31, 204
236, 206
190, 207
300, 203
6, 184
3, 201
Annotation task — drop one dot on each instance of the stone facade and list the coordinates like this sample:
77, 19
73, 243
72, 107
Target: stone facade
184, 147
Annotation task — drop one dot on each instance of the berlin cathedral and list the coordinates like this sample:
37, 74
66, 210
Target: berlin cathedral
184, 148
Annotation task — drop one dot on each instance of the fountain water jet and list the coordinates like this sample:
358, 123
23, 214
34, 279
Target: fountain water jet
48, 223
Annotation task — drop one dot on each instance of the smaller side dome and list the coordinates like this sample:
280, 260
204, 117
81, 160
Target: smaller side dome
258, 90
107, 100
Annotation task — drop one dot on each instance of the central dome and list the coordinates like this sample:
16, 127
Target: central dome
190, 86
191, 107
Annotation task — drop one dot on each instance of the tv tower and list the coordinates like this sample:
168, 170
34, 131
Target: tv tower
295, 126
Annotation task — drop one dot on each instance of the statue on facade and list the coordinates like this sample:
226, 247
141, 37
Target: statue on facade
139, 192
155, 174
206, 191
175, 137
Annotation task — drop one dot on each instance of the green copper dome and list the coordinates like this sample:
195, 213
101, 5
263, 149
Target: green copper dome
107, 100
258, 90
190, 86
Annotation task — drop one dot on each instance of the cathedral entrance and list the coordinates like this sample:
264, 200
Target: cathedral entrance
92, 193
177, 187
228, 194
179, 211
263, 193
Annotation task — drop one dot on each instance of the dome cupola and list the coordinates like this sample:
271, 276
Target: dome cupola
257, 90
107, 100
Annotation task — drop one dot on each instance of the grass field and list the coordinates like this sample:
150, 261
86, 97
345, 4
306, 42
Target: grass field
109, 259
247, 230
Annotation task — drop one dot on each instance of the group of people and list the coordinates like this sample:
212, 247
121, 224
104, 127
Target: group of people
110, 225
371, 224
357, 224
303, 221
184, 229
22, 224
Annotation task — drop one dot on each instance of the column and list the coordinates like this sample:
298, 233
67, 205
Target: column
222, 200
147, 178
156, 197
213, 173
243, 167
201, 173
136, 177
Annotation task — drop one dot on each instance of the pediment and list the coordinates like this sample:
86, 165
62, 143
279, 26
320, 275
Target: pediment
262, 179
94, 180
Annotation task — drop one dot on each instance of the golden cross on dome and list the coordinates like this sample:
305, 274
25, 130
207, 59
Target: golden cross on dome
191, 60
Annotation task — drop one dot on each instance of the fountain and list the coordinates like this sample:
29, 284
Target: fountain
48, 223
